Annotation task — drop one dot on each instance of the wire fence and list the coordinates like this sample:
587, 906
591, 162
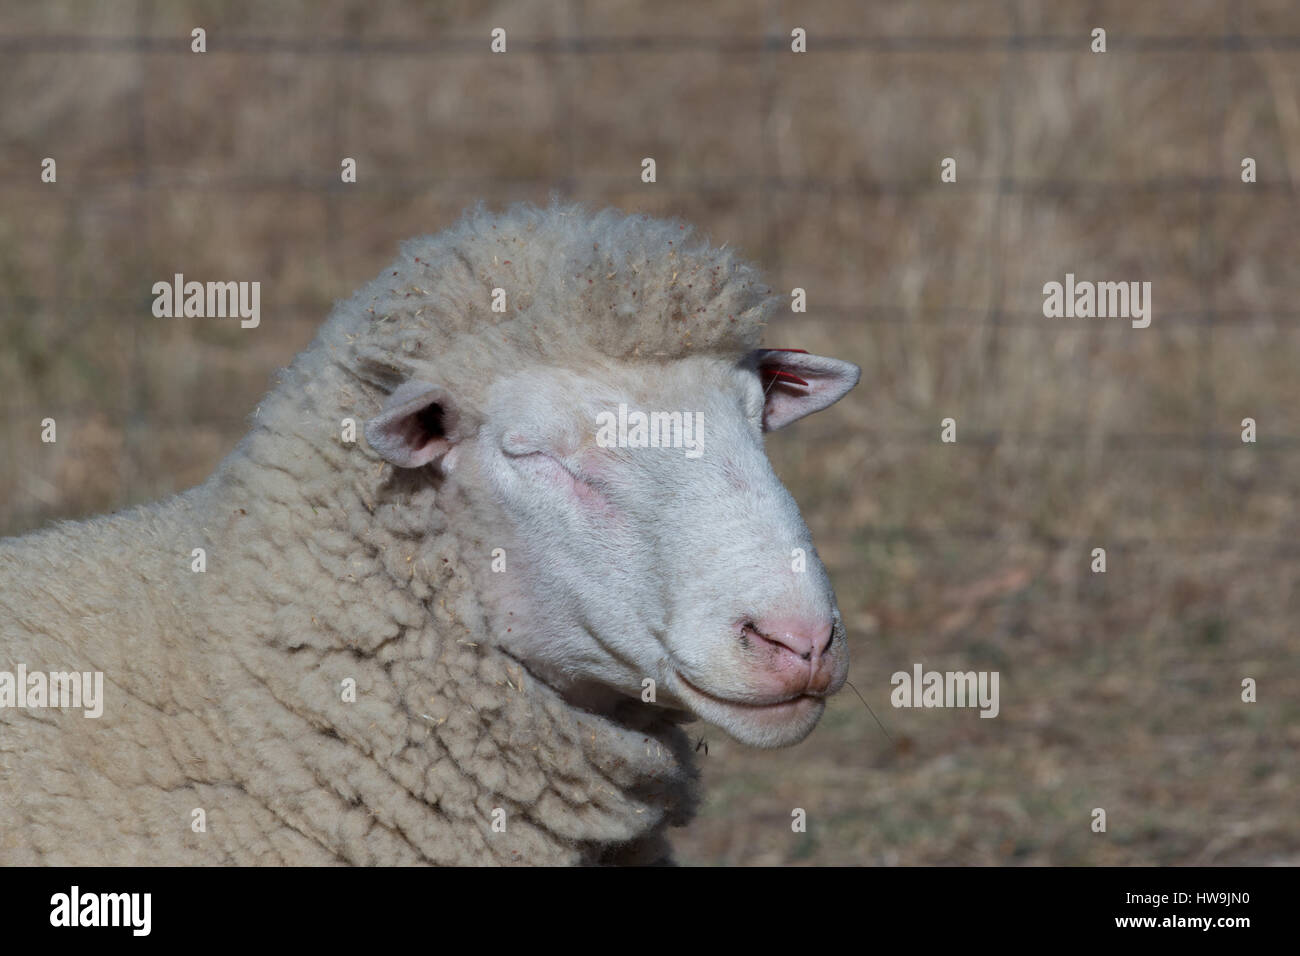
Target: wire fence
1211, 441
661, 43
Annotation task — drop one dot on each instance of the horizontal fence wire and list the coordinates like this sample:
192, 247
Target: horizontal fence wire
699, 185
969, 316
664, 43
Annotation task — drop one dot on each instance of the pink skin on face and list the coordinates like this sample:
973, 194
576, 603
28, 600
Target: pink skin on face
792, 655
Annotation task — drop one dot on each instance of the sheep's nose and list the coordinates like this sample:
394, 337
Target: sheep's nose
801, 646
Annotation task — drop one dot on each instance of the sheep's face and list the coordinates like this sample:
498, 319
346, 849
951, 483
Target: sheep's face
647, 550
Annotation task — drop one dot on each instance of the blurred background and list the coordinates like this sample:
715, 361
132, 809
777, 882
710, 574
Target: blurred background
1119, 690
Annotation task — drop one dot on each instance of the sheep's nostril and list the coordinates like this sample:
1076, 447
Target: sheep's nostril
798, 637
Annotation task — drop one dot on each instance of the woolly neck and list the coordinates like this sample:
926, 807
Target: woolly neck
329, 571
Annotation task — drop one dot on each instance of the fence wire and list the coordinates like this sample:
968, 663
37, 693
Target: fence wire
762, 188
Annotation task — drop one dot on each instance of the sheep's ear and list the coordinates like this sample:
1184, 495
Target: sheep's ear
417, 425
797, 384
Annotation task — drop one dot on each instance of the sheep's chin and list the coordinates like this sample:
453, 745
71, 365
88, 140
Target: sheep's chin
779, 724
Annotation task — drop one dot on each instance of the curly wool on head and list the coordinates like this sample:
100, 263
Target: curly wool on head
579, 288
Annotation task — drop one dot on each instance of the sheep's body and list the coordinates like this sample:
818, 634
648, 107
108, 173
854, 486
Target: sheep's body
225, 690
228, 699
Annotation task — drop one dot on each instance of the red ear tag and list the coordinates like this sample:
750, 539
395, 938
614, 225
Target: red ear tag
776, 374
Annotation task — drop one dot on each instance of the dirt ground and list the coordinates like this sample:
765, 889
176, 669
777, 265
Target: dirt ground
1121, 690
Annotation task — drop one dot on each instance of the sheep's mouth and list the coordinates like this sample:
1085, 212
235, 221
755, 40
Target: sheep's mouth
774, 723
740, 704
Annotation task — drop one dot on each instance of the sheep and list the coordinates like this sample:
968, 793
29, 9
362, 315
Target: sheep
470, 633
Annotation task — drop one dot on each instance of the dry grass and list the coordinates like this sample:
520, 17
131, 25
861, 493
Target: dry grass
1118, 691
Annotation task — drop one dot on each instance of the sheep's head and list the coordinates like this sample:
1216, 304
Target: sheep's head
644, 534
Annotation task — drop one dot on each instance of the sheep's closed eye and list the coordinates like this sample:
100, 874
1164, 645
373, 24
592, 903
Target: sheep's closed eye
543, 467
